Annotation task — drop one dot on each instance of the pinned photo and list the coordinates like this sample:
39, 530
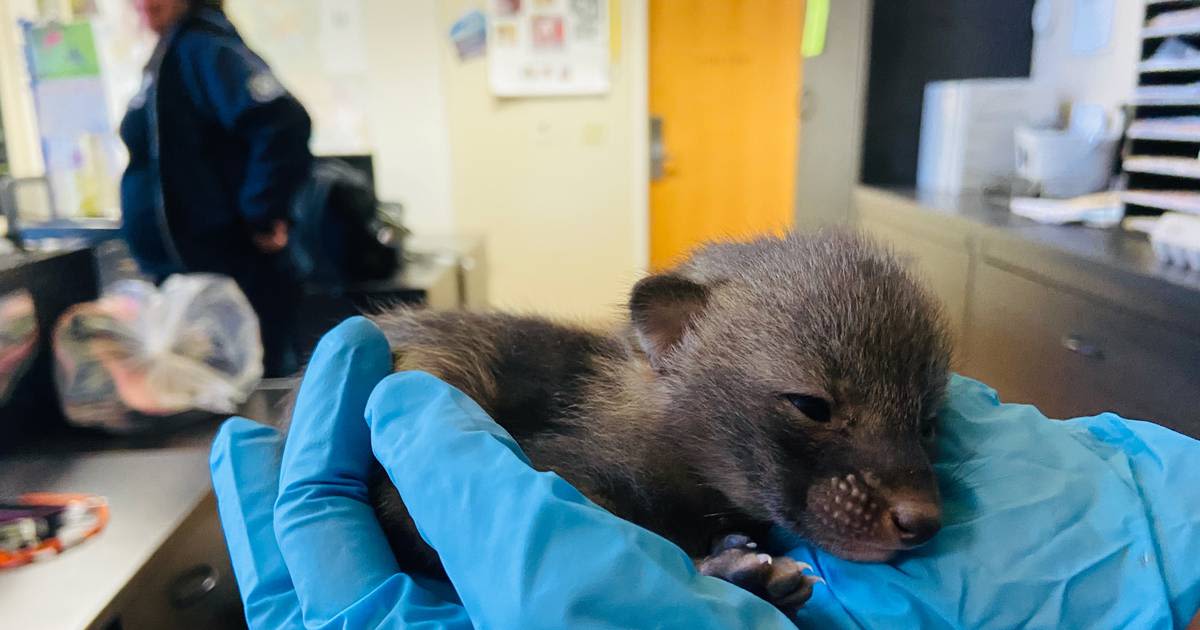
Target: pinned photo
469, 35
547, 31
506, 8
506, 34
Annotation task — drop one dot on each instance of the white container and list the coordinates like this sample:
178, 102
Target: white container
1064, 163
967, 131
1176, 240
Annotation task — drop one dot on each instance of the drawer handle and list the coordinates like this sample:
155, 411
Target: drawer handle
192, 585
1083, 347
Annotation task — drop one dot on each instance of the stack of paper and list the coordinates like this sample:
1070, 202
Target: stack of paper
1163, 165
1187, 18
1177, 128
1167, 94
1097, 210
1176, 240
1174, 200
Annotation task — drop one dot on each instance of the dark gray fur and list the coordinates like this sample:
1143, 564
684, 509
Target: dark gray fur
676, 421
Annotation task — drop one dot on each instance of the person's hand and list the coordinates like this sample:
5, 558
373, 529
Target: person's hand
522, 548
274, 240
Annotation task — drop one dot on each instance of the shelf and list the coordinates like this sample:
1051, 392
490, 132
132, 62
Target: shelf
1175, 201
1165, 136
1163, 165
1169, 65
1172, 30
1168, 101
1174, 94
1185, 129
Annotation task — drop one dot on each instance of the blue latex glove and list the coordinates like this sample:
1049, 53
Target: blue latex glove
523, 549
1087, 523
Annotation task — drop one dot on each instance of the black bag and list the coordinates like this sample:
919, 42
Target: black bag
337, 237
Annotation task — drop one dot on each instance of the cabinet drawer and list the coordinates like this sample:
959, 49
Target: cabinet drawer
1072, 356
188, 584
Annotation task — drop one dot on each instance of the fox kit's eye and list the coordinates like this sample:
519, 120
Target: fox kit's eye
815, 407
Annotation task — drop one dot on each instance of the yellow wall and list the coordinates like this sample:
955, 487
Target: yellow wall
556, 185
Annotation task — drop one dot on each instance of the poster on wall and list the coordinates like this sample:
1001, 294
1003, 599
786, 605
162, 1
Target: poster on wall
80, 148
469, 34
548, 47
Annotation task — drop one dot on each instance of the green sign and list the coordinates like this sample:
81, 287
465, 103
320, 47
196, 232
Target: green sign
816, 20
63, 51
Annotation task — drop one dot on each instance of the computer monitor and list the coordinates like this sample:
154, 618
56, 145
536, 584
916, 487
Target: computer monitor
363, 163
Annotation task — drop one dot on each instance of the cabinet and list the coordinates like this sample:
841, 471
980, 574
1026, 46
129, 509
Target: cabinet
1079, 356
1074, 321
188, 584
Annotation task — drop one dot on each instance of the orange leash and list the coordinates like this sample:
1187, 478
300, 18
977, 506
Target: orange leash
40, 525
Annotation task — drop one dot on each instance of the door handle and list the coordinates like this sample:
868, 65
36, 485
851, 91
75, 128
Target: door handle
193, 585
808, 104
658, 150
1081, 346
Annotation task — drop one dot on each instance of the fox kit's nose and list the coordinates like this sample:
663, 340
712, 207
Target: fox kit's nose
916, 521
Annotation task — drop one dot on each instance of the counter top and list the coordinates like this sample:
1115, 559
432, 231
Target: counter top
17, 259
1113, 248
150, 493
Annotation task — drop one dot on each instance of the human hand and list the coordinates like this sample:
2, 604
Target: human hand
273, 241
522, 548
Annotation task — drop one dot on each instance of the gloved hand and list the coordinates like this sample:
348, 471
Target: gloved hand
523, 549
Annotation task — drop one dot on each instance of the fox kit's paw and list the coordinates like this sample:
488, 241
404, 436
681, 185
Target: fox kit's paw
777, 579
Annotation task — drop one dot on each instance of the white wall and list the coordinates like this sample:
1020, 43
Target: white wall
1107, 77
407, 111
24, 150
400, 95
556, 185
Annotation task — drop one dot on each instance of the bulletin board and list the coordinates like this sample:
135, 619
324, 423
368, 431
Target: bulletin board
548, 47
80, 148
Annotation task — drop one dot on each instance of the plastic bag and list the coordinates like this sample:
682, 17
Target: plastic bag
18, 339
140, 353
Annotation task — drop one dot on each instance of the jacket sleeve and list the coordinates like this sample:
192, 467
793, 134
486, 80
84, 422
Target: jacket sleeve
228, 80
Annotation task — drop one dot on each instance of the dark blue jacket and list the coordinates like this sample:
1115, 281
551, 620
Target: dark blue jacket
217, 150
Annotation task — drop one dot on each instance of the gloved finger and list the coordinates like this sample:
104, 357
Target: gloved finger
524, 548
245, 475
340, 563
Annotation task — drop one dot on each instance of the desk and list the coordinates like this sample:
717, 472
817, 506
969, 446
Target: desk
163, 522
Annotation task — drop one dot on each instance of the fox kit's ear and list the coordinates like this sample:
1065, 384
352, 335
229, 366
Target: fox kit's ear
662, 308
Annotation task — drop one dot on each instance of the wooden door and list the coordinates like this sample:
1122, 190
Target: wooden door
725, 84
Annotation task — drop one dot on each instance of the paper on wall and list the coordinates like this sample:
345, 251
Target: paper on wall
343, 37
469, 34
67, 108
1093, 25
548, 47
60, 51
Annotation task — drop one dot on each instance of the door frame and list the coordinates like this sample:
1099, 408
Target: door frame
635, 20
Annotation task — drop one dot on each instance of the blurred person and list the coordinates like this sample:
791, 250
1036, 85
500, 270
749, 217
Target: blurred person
217, 150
